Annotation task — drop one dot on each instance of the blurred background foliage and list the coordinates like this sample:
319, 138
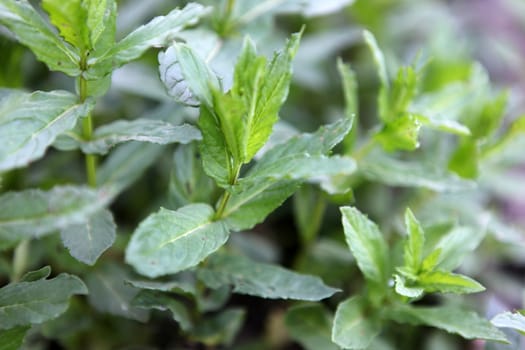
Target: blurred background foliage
444, 38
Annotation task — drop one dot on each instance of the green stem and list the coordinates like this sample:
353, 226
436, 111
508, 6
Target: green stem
20, 260
87, 133
226, 195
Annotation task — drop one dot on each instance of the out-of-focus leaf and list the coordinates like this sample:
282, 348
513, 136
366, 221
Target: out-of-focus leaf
411, 174
384, 89
144, 130
351, 100
32, 276
309, 207
30, 123
170, 241
464, 160
108, 293
263, 280
451, 319
33, 213
162, 301
456, 244
219, 329
310, 326
86, 241
514, 320
367, 244
31, 30
354, 327
25, 303
13, 338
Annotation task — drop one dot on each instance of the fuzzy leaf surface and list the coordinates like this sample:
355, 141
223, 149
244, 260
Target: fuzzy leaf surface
263, 280
353, 327
32, 31
30, 123
143, 130
170, 241
86, 241
367, 244
26, 303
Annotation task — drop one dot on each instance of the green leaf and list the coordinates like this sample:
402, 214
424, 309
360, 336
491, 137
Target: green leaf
39, 274
401, 288
108, 292
144, 130
309, 209
367, 244
25, 303
33, 213
100, 21
464, 160
456, 244
30, 29
125, 165
310, 325
148, 299
70, 19
189, 183
219, 329
451, 319
351, 100
514, 320
158, 32
30, 123
13, 338
186, 76
401, 133
354, 326
263, 280
395, 172
413, 249
171, 241
447, 282
86, 241
384, 89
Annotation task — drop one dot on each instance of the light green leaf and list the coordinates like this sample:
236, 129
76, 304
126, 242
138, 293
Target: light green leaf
456, 244
30, 123
263, 280
171, 241
451, 319
448, 282
395, 172
35, 302
33, 213
413, 248
367, 244
108, 292
400, 133
310, 325
384, 89
125, 165
158, 32
189, 183
354, 327
401, 288
70, 19
31, 30
86, 241
464, 160
351, 100
39, 274
144, 130
219, 329
13, 338
514, 320
162, 301
176, 284
186, 76
100, 21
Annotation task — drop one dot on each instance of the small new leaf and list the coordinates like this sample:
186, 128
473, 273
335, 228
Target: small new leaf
448, 282
70, 19
413, 249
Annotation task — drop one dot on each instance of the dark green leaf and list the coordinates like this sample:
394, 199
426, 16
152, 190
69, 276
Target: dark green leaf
86, 241
367, 245
30, 123
13, 338
263, 280
219, 329
31, 30
354, 326
25, 303
108, 292
171, 241
162, 301
310, 325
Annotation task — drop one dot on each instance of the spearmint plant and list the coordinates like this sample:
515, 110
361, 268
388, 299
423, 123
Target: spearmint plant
218, 87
